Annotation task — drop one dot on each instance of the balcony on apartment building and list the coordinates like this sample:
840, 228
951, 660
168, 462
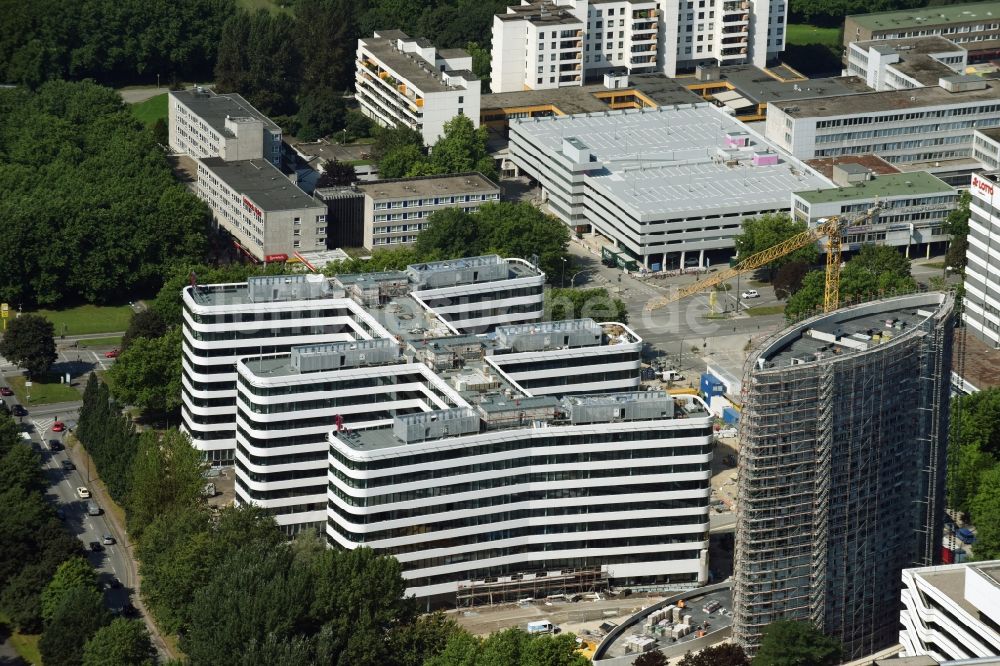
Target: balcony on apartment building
570, 56
571, 44
645, 14
733, 53
733, 29
395, 91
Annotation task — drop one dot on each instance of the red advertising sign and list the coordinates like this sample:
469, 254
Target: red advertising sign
983, 185
276, 257
249, 204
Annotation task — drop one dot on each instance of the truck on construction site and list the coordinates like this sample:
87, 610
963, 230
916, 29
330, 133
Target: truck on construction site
541, 627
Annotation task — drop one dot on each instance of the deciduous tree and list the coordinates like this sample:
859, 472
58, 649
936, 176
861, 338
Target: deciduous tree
788, 643
166, 474
144, 324
73, 573
148, 373
724, 654
122, 643
765, 231
30, 343
336, 173
986, 515
78, 616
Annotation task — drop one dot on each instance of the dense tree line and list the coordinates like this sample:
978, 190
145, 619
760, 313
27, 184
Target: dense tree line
832, 13
32, 539
112, 41
974, 467
91, 210
109, 436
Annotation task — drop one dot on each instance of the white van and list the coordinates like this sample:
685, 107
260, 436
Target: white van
540, 627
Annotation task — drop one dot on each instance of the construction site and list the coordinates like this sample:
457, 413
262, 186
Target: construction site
841, 469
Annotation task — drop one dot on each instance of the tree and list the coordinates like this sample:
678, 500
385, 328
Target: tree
724, 654
957, 226
122, 643
986, 515
166, 473
511, 646
973, 444
161, 132
148, 373
788, 278
789, 643
147, 324
321, 111
461, 148
10, 432
481, 64
400, 162
875, 271
30, 343
655, 658
73, 573
390, 139
78, 616
594, 303
336, 173
21, 467
427, 637
760, 233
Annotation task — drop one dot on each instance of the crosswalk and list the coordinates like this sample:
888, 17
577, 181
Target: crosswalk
42, 425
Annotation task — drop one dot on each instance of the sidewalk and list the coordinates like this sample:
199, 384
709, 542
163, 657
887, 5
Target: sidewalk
115, 517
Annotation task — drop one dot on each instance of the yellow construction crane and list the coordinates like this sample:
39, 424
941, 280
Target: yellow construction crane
831, 228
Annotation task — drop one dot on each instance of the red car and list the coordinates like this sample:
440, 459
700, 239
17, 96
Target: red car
5, 391
112, 354
58, 426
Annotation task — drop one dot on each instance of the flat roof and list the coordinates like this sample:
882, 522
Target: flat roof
890, 185
572, 100
670, 161
214, 108
541, 13
262, 182
990, 133
396, 188
889, 100
758, 86
452, 53
938, 15
797, 343
908, 46
409, 66
868, 161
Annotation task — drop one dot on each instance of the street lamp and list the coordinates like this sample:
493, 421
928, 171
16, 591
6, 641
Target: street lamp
564, 272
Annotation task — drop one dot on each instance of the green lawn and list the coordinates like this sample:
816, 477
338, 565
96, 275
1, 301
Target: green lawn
765, 310
802, 33
26, 645
269, 5
89, 319
43, 392
101, 342
151, 110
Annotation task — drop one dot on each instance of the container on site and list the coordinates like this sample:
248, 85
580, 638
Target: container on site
965, 535
711, 385
730, 415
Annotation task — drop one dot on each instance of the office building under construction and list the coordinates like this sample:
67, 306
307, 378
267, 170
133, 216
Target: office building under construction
842, 468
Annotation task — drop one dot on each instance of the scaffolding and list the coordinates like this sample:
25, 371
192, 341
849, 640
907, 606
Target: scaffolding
533, 585
840, 478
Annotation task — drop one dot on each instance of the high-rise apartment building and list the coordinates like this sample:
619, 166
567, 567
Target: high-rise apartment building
406, 82
982, 270
545, 44
842, 468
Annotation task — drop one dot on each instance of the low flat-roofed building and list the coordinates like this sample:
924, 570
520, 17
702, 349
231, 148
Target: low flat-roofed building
405, 81
203, 123
951, 612
872, 164
901, 64
932, 123
986, 148
972, 25
268, 216
667, 185
912, 209
397, 210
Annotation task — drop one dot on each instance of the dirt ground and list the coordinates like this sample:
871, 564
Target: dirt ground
723, 475
582, 617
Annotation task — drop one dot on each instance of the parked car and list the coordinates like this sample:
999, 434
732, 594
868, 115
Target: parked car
93, 509
112, 354
83, 493
6, 391
750, 293
108, 540
18, 410
58, 426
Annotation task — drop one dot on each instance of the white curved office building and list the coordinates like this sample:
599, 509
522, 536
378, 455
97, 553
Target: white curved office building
478, 494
